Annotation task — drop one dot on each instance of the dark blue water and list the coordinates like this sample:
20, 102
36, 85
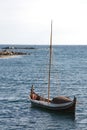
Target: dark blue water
17, 74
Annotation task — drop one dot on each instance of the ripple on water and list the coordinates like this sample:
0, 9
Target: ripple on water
17, 76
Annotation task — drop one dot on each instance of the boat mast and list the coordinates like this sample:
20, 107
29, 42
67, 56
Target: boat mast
50, 60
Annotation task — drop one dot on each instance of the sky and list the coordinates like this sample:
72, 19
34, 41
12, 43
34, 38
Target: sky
28, 22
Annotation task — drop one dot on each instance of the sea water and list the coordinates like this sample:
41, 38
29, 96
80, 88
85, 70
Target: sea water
69, 77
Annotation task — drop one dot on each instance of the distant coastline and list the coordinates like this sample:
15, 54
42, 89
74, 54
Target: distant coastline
9, 51
15, 47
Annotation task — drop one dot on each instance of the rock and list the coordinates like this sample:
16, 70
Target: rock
8, 53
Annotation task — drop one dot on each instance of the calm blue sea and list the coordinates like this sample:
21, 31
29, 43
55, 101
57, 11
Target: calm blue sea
69, 77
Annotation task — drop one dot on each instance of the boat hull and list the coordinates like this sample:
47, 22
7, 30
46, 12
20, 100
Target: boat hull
64, 107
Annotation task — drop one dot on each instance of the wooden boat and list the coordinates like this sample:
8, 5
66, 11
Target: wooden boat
60, 103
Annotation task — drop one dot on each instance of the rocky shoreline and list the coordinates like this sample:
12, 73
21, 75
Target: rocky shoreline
5, 53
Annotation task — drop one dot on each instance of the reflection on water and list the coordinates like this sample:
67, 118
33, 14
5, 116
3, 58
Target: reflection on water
50, 120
